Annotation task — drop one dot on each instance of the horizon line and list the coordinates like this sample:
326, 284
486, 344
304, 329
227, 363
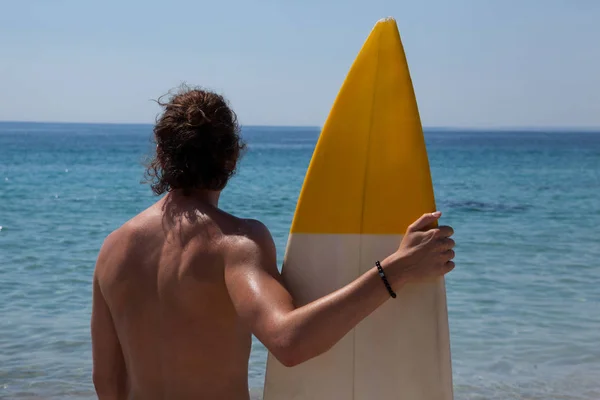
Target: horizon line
424, 127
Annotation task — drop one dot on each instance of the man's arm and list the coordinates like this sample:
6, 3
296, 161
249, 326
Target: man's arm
295, 335
109, 371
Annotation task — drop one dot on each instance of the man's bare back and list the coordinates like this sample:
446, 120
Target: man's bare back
179, 289
162, 277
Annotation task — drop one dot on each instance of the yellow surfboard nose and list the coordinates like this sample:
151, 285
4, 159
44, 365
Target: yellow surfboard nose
369, 172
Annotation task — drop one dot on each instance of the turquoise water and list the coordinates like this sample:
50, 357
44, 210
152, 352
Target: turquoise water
524, 300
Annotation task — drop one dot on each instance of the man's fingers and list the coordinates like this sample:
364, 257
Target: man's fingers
448, 255
425, 221
449, 266
446, 231
447, 244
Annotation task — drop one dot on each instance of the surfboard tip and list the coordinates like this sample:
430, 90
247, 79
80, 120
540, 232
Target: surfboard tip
386, 20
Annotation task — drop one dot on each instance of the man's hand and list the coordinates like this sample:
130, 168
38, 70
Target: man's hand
425, 252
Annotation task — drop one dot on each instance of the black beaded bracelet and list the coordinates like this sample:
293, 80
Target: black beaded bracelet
384, 279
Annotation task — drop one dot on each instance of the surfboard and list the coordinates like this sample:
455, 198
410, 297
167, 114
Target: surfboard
367, 180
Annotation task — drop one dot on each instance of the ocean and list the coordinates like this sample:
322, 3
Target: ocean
523, 301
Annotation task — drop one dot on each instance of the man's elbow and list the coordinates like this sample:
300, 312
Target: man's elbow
291, 353
288, 357
109, 386
98, 380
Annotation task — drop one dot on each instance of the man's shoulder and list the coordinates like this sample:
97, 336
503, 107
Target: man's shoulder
120, 234
129, 229
255, 230
117, 242
251, 236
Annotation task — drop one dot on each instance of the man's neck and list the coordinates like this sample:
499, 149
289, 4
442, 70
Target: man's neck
209, 197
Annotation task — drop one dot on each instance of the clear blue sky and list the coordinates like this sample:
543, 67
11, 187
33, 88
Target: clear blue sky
478, 63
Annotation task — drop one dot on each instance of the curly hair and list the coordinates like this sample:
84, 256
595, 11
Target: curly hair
197, 143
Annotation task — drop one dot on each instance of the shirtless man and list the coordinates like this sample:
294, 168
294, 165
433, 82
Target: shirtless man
179, 289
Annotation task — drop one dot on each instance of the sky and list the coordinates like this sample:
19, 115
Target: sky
477, 63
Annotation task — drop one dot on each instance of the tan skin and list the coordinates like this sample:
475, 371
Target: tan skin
179, 289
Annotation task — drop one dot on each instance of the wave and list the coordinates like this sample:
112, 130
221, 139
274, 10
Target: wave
481, 206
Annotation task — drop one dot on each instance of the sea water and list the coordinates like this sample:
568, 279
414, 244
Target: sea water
524, 299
